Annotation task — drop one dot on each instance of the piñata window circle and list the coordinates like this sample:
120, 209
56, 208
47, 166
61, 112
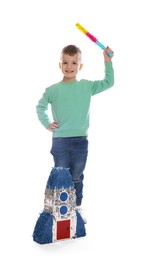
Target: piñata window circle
63, 210
63, 196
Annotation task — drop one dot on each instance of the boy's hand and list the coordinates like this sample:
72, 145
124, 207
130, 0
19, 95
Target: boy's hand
106, 57
53, 126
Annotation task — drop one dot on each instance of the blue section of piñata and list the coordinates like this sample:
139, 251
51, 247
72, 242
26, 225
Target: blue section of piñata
59, 178
43, 229
80, 226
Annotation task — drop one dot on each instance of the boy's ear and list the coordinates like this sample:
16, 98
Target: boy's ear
59, 65
81, 65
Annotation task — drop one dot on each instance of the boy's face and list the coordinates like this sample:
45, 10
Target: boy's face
70, 65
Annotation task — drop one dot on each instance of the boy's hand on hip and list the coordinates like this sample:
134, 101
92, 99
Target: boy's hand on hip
53, 126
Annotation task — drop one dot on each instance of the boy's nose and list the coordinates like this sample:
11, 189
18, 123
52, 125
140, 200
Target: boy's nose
69, 65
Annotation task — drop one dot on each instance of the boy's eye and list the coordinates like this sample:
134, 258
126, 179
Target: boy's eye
74, 63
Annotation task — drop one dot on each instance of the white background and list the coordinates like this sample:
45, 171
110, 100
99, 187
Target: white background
32, 34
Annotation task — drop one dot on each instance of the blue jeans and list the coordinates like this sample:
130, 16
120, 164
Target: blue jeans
72, 152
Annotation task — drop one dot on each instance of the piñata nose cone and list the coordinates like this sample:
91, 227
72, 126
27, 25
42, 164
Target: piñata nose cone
59, 178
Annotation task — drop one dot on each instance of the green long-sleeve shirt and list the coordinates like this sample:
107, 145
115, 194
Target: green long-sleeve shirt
70, 103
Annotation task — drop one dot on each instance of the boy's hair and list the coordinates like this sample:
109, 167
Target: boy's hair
71, 50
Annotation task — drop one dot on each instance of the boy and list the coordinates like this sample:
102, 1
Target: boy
70, 102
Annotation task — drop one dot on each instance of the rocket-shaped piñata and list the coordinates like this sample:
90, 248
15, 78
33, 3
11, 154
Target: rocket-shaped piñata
59, 220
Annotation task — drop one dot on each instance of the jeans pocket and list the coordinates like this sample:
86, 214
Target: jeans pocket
56, 139
57, 144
